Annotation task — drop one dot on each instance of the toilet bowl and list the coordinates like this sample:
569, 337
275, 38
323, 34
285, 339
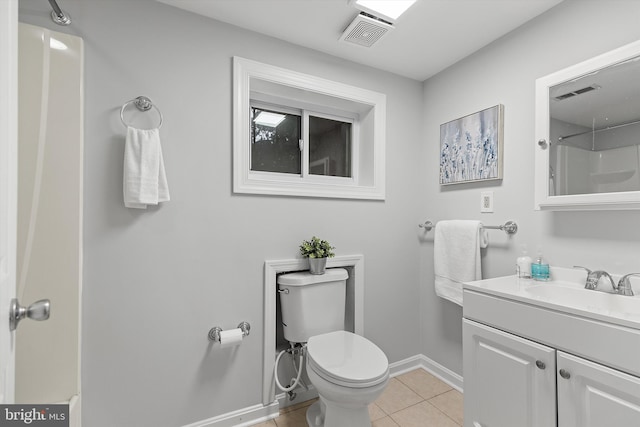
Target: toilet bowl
349, 372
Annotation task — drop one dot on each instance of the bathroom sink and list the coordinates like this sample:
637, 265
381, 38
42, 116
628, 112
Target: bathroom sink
577, 296
566, 293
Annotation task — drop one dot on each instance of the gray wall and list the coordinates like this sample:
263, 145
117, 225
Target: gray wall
155, 281
505, 72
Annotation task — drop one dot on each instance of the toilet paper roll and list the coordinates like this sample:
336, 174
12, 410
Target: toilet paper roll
231, 338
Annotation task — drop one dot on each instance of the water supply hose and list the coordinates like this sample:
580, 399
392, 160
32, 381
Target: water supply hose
296, 381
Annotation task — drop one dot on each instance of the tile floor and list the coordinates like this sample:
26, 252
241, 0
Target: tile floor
414, 399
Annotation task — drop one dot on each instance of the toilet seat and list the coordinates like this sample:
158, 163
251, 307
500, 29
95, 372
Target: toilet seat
347, 359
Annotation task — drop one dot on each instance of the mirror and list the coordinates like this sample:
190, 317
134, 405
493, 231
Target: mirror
588, 132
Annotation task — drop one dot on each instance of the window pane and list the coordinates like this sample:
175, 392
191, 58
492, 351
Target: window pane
329, 147
274, 141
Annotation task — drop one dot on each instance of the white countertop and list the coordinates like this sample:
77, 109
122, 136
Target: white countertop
565, 293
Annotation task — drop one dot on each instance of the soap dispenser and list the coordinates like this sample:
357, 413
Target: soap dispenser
523, 264
540, 268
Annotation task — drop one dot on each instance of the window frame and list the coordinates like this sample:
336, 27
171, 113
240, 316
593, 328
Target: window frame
248, 73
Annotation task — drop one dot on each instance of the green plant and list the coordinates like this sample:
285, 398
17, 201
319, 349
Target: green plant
316, 248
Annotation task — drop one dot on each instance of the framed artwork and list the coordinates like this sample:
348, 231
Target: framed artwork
471, 147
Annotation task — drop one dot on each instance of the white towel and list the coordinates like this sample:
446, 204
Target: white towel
457, 256
145, 180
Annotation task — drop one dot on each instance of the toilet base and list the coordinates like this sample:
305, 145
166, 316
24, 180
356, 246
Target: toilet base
317, 416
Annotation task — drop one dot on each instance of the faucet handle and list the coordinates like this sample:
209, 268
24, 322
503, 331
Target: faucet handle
624, 285
592, 279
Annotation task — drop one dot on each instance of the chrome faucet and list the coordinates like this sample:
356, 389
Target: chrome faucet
593, 277
624, 285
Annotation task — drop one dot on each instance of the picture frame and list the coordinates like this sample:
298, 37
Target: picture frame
471, 147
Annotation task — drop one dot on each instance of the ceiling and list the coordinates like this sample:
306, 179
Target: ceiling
429, 37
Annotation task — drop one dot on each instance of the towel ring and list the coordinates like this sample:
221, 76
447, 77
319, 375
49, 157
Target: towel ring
142, 103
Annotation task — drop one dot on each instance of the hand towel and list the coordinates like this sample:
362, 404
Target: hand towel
145, 180
457, 246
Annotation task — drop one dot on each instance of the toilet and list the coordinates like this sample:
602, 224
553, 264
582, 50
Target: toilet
348, 371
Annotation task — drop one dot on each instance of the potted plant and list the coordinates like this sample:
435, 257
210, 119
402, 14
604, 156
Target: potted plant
317, 250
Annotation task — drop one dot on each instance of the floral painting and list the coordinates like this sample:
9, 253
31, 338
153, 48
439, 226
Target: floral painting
471, 147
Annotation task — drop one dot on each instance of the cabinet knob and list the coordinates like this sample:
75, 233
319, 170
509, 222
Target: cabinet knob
540, 364
565, 374
542, 143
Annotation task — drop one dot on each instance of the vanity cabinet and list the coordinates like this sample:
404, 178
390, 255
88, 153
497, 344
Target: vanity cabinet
532, 361
512, 381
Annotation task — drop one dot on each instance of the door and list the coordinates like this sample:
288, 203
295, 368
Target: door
593, 395
508, 381
8, 188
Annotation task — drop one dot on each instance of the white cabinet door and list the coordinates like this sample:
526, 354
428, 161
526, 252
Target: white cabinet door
592, 395
508, 381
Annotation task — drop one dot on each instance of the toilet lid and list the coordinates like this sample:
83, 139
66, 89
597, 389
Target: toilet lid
347, 359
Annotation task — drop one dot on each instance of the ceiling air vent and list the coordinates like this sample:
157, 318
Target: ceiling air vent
365, 30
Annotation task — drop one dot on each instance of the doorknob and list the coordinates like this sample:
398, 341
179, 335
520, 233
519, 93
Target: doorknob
39, 310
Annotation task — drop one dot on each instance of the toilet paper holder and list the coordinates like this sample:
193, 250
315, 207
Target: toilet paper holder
214, 333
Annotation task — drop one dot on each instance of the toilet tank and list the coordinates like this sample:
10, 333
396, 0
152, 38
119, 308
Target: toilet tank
312, 304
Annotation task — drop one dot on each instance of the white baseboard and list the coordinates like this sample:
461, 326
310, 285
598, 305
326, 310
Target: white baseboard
242, 417
434, 368
259, 413
302, 395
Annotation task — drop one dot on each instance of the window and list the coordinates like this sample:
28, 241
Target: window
275, 141
330, 147
279, 144
296, 134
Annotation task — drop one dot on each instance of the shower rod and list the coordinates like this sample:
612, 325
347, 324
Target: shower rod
58, 15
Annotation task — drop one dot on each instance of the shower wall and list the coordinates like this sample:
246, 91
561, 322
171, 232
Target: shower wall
580, 171
49, 247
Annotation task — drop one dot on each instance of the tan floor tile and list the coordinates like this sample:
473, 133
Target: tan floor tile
396, 397
384, 422
269, 423
298, 406
421, 415
423, 383
297, 418
375, 412
451, 403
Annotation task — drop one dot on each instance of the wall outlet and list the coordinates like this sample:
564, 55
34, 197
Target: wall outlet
486, 201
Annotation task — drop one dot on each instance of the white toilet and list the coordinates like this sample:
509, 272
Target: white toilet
348, 371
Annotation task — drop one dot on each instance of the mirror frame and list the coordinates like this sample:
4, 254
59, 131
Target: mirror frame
592, 201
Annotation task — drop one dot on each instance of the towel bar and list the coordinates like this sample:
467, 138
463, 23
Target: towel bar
509, 227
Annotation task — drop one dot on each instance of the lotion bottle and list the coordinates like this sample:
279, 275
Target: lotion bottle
523, 264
